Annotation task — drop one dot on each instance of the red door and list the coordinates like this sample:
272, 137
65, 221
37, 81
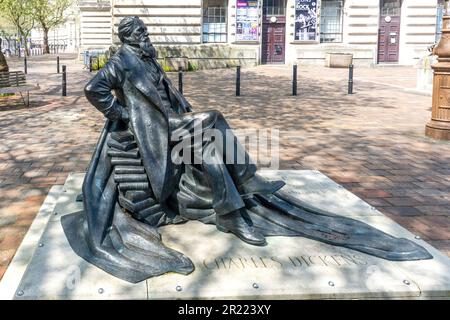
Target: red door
388, 39
273, 41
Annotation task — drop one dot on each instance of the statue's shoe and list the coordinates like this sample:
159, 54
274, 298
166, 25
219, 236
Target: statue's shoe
258, 185
235, 223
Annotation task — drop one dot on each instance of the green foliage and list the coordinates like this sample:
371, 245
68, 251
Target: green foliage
167, 68
20, 14
7, 29
50, 13
24, 15
99, 62
6, 94
192, 66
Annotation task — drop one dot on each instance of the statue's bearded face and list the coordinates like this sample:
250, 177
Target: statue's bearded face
140, 33
139, 37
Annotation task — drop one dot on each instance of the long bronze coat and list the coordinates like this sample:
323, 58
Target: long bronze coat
136, 91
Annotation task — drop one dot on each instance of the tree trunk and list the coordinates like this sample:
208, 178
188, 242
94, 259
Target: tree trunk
25, 45
46, 46
27, 49
3, 65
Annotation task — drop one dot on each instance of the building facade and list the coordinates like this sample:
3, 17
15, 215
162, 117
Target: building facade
215, 33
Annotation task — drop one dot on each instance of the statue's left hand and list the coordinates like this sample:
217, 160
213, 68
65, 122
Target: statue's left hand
125, 116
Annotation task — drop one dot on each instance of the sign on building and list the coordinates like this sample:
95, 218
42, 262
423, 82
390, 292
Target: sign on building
247, 20
305, 20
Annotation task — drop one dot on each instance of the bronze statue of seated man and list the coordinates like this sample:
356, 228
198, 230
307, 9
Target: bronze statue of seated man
155, 112
136, 182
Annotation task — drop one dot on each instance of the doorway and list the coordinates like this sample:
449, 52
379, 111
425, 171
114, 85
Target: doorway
273, 32
389, 31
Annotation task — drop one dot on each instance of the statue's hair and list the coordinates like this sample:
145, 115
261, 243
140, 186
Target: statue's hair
126, 27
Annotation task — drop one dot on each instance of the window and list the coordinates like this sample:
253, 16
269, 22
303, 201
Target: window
331, 21
391, 7
274, 8
215, 20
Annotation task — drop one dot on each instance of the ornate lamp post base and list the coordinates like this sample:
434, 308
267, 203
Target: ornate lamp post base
439, 125
438, 130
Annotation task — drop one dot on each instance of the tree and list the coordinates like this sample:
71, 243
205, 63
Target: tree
20, 14
7, 32
49, 14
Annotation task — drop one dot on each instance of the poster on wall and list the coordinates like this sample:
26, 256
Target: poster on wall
305, 20
247, 20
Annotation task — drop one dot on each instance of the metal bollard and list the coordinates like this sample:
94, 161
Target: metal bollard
90, 63
64, 81
238, 81
98, 62
180, 79
57, 64
294, 80
25, 65
350, 79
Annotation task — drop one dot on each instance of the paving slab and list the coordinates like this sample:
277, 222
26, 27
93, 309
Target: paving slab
22, 258
227, 268
56, 272
67, 202
313, 187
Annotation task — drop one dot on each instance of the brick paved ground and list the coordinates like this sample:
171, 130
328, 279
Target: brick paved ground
371, 142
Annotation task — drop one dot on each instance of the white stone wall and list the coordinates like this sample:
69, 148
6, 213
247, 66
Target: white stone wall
361, 22
168, 21
95, 26
417, 29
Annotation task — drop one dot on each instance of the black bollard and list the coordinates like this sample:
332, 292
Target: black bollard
90, 63
238, 81
98, 63
57, 64
64, 81
25, 66
294, 80
180, 79
350, 79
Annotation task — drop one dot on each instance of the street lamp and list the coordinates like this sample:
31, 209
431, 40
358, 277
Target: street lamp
439, 125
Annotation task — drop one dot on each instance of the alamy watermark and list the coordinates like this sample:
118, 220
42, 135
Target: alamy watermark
211, 146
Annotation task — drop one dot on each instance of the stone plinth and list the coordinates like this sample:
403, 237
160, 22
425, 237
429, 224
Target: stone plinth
225, 267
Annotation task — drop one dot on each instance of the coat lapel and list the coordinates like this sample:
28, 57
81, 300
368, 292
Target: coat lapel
149, 121
142, 80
